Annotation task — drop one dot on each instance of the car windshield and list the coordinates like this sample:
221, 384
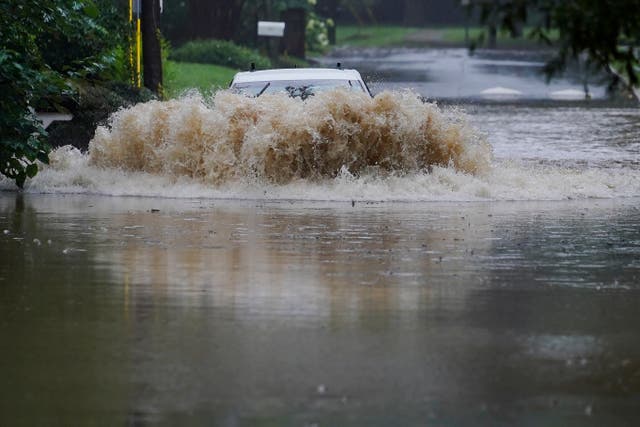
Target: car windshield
296, 88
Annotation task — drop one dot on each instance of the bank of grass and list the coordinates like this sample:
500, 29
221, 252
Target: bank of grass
182, 76
389, 35
456, 35
372, 35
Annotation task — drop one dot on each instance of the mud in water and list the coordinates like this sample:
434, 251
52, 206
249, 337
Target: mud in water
278, 139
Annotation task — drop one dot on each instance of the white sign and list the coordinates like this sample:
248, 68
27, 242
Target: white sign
270, 29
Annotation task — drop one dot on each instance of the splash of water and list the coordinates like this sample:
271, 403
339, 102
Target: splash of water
391, 148
277, 139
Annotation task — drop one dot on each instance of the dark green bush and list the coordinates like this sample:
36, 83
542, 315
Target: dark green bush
45, 47
22, 137
219, 52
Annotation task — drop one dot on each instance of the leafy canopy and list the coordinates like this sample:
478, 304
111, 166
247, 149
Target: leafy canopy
44, 46
606, 32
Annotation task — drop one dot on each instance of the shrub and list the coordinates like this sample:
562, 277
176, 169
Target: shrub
219, 52
317, 33
46, 45
22, 137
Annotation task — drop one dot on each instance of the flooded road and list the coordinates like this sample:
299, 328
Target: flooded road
160, 311
458, 74
203, 266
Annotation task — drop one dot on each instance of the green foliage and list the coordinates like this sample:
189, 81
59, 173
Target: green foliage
44, 45
219, 52
373, 35
21, 135
606, 32
316, 35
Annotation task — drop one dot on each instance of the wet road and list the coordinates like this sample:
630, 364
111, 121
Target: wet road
456, 74
157, 311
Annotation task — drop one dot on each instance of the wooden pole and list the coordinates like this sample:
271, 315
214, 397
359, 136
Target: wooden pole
151, 51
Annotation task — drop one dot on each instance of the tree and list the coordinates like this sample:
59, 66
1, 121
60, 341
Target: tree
44, 46
606, 33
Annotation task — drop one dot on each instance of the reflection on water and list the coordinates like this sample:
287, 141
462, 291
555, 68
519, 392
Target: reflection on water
136, 310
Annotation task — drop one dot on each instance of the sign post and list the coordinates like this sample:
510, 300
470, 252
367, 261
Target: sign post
271, 29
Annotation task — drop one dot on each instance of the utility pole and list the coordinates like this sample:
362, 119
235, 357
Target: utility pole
151, 53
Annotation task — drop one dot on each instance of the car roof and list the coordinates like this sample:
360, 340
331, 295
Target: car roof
296, 74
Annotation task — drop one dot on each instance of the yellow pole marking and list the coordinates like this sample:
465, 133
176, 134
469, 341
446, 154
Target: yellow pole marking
131, 71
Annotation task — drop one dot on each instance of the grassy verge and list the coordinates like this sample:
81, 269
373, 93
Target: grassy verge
382, 35
456, 35
372, 35
181, 76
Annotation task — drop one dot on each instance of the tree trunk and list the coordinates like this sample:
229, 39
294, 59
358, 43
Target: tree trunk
294, 32
151, 54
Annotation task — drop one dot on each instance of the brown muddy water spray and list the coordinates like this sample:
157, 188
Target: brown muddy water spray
279, 139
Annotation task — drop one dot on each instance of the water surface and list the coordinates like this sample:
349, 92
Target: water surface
460, 74
146, 310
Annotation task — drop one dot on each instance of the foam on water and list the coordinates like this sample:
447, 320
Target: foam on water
335, 146
72, 172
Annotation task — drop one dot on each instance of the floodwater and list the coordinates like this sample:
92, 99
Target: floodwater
139, 310
459, 74
507, 293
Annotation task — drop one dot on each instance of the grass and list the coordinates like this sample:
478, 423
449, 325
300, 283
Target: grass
388, 35
456, 35
181, 76
372, 35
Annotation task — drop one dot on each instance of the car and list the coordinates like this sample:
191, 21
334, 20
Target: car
297, 82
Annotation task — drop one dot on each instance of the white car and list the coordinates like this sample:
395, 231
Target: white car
297, 82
